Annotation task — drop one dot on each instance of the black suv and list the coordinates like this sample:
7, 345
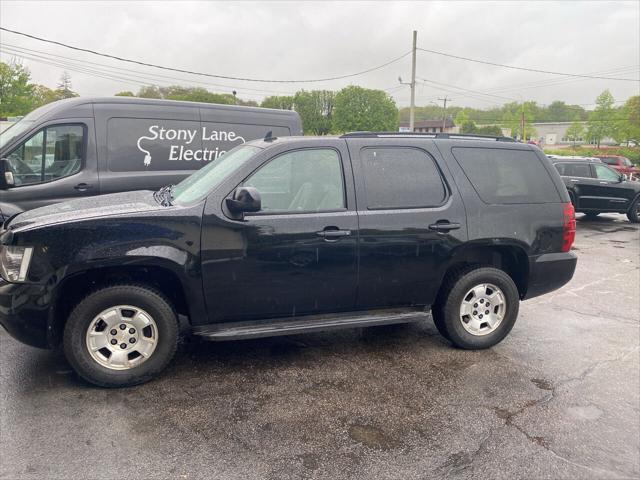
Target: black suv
596, 188
291, 235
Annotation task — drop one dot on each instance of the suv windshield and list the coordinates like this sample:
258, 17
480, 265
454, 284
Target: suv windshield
198, 185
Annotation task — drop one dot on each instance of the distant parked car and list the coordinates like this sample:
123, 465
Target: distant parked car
596, 188
621, 164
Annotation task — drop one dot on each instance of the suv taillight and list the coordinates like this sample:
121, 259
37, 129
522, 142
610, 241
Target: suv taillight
568, 226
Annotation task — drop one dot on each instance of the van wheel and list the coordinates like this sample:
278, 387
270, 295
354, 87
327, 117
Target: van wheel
479, 309
121, 335
633, 214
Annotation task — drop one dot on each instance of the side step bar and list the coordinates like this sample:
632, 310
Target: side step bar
312, 323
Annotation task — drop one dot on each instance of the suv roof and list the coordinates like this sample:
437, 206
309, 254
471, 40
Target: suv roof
573, 158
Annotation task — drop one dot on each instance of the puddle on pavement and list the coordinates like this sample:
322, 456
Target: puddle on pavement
542, 384
372, 437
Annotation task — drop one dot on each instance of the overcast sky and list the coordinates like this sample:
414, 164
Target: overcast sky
297, 40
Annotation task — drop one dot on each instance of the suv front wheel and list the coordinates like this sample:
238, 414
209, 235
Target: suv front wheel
478, 308
121, 335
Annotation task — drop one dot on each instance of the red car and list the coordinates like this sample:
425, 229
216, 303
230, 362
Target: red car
621, 164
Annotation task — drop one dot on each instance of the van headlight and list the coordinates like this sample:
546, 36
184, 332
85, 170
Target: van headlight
14, 262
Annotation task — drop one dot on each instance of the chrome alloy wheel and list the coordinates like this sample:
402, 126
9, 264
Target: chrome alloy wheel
483, 308
122, 337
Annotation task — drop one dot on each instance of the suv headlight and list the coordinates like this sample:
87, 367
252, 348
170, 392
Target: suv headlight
14, 262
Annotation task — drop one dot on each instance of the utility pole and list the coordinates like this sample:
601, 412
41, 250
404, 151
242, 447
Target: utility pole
444, 114
413, 83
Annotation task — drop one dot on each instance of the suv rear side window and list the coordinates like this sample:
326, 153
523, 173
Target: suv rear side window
401, 177
574, 169
505, 176
52, 153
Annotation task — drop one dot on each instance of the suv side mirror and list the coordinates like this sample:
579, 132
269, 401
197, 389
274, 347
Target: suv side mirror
6, 174
244, 200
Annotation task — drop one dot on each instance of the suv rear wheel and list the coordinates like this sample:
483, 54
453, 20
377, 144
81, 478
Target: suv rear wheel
478, 308
121, 335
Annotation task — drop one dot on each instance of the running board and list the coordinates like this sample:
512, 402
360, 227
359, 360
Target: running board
311, 323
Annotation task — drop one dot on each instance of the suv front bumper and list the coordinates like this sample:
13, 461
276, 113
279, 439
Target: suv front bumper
24, 313
549, 272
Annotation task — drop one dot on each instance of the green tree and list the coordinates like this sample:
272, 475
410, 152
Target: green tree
64, 89
575, 132
358, 108
512, 119
315, 108
126, 93
493, 130
628, 126
601, 123
464, 123
149, 92
16, 93
279, 102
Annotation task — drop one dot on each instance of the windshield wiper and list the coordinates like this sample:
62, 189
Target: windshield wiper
164, 196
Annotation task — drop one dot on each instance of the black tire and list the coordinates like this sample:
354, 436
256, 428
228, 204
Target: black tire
633, 214
145, 298
591, 215
447, 312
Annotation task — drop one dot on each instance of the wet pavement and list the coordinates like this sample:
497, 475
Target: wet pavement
559, 398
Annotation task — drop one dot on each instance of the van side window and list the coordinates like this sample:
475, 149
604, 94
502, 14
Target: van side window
401, 177
301, 181
54, 152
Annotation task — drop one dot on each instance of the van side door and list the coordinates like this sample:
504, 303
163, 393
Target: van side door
411, 218
57, 162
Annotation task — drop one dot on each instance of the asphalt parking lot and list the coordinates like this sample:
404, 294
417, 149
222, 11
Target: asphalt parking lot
557, 399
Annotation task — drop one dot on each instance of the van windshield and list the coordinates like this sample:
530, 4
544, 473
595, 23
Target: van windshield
198, 185
14, 131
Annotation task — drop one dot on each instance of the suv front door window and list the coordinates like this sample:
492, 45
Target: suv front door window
606, 173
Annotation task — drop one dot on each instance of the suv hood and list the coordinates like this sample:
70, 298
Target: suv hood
102, 206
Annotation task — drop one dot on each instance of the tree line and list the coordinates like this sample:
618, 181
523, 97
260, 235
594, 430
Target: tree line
356, 108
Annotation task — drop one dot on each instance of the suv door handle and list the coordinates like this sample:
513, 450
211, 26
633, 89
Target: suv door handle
444, 226
83, 187
332, 234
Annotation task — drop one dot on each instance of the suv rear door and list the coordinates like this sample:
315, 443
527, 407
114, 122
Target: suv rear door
411, 218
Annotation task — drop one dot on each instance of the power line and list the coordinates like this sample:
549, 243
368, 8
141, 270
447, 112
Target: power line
527, 69
21, 51
226, 77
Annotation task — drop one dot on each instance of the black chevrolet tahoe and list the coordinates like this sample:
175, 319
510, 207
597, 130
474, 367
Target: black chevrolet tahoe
290, 235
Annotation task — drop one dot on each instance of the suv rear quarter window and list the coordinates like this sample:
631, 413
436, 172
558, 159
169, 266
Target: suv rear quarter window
506, 176
401, 177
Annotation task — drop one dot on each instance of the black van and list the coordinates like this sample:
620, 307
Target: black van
89, 146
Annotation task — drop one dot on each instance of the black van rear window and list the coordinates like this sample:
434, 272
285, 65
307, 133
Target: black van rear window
503, 176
